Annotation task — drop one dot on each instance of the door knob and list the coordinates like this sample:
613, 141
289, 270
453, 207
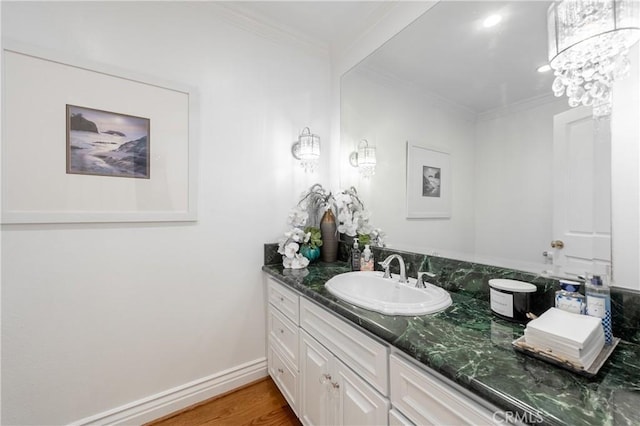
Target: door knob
557, 244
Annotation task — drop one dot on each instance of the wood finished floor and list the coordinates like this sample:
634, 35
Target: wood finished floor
260, 403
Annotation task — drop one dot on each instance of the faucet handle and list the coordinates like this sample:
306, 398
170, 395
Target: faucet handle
385, 264
421, 282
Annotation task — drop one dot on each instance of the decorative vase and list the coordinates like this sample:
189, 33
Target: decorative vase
329, 231
310, 253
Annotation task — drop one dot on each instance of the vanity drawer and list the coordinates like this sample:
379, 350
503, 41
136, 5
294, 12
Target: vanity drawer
362, 354
397, 419
284, 376
427, 400
284, 333
283, 299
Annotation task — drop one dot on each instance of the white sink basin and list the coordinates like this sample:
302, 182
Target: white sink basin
385, 295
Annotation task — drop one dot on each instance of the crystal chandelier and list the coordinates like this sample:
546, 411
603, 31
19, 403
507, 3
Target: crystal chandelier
364, 159
307, 150
588, 45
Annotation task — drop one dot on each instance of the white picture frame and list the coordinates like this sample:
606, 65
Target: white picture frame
429, 182
36, 187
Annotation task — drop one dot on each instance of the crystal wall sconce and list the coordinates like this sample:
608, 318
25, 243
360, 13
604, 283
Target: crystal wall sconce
588, 45
364, 159
307, 150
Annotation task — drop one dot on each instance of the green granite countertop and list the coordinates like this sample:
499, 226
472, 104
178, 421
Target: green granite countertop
470, 346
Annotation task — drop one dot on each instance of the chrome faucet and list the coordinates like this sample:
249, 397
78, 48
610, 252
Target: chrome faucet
422, 279
403, 272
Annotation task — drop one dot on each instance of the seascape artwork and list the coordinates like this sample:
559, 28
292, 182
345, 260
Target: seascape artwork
430, 181
107, 143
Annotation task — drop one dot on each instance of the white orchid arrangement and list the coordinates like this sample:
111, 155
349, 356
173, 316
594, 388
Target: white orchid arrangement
289, 247
354, 219
304, 219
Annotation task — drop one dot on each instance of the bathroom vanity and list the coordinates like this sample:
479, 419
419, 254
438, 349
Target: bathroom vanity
342, 376
339, 364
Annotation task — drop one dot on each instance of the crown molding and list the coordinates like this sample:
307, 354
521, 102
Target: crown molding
518, 106
242, 17
370, 22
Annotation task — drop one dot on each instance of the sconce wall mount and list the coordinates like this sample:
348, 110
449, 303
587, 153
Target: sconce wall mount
307, 150
364, 159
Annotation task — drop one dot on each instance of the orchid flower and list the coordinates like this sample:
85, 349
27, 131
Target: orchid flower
296, 262
291, 250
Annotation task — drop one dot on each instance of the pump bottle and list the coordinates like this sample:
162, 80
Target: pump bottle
355, 256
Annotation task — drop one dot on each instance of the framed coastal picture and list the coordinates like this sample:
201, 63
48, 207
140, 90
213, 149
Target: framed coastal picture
429, 182
107, 143
87, 142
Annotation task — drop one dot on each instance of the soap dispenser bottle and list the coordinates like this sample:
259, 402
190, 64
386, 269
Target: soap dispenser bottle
569, 299
355, 256
366, 262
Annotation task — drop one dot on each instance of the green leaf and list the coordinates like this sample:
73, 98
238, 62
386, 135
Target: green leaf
316, 236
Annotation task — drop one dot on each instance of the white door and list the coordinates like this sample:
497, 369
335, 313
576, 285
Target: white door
316, 404
582, 193
358, 402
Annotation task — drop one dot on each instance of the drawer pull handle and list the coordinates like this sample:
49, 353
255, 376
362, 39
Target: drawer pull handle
335, 389
281, 331
280, 370
281, 299
324, 378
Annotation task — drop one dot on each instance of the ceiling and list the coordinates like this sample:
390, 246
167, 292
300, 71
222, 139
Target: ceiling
327, 23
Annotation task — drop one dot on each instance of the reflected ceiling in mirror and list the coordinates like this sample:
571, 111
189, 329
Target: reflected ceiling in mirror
450, 83
451, 53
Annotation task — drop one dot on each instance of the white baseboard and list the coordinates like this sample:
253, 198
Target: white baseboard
180, 397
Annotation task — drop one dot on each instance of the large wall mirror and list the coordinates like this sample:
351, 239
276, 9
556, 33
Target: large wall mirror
523, 168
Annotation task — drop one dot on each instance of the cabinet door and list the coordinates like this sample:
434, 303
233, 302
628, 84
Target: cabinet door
358, 402
316, 365
365, 356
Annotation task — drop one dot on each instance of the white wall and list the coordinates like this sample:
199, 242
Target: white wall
625, 177
98, 316
388, 114
514, 183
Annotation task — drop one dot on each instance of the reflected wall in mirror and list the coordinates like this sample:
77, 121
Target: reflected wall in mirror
447, 82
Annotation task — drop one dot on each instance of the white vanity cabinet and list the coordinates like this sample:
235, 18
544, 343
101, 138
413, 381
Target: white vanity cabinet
317, 407
425, 399
332, 373
329, 372
364, 355
332, 394
283, 340
343, 372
